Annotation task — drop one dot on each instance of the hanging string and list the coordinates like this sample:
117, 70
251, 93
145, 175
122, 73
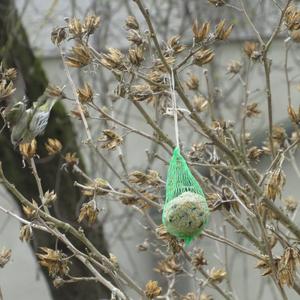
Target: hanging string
173, 97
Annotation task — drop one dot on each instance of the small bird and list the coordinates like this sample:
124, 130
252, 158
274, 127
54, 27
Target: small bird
26, 124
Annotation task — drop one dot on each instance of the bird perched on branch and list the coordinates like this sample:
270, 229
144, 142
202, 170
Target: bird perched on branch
26, 124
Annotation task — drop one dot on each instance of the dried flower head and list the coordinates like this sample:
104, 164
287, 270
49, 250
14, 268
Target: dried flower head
114, 59
114, 260
28, 150
152, 289
85, 93
71, 159
252, 110
204, 296
252, 51
134, 37
76, 111
150, 178
192, 82
168, 266
160, 66
31, 211
49, 198
54, 91
75, 27
278, 135
234, 67
217, 3
200, 103
173, 243
275, 183
131, 23
25, 233
295, 35
98, 187
79, 56
5, 255
217, 275
53, 146
287, 266
58, 35
136, 55
55, 261
90, 24
254, 153
88, 211
174, 44
141, 92
203, 57
8, 74
294, 116
223, 30
265, 264
290, 204
197, 152
6, 88
200, 31
198, 259
110, 139
292, 18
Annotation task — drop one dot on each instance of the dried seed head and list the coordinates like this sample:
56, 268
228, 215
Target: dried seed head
223, 30
252, 51
114, 59
5, 255
49, 198
140, 178
28, 150
90, 24
217, 3
58, 282
174, 44
198, 259
75, 27
204, 296
197, 152
294, 116
152, 290
55, 261
58, 35
134, 37
275, 183
203, 57
252, 110
98, 187
131, 23
25, 233
8, 74
159, 65
88, 211
292, 18
53, 146
290, 204
29, 211
200, 31
278, 135
54, 91
168, 266
114, 260
6, 88
217, 275
200, 103
136, 55
71, 159
234, 67
141, 92
254, 153
76, 112
287, 266
79, 56
110, 139
85, 94
192, 82
295, 35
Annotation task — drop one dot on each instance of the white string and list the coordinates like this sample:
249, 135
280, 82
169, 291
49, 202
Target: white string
173, 96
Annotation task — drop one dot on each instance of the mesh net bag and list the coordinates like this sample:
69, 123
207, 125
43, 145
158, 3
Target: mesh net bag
185, 211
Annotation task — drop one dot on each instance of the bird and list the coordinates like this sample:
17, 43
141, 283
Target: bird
26, 124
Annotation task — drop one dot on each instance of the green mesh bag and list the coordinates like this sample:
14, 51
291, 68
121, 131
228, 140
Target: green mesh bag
185, 211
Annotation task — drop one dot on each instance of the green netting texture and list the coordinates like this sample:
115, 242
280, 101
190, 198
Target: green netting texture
180, 180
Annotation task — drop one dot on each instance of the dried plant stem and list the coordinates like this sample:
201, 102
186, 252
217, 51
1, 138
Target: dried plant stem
39, 184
